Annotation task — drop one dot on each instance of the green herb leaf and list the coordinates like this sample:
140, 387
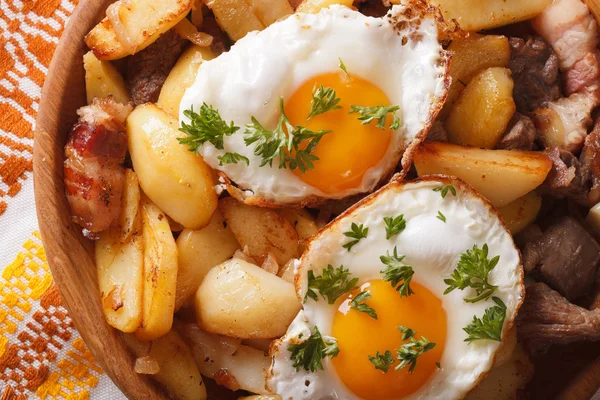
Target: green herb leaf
343, 66
397, 273
409, 352
357, 304
331, 284
382, 361
394, 226
441, 217
303, 159
310, 353
407, 333
232, 158
444, 190
323, 100
490, 325
205, 126
473, 271
437, 364
357, 233
379, 113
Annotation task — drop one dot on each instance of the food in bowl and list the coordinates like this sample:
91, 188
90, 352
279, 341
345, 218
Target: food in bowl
307, 201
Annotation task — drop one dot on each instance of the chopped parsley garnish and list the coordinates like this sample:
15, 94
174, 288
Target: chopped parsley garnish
490, 325
441, 217
331, 284
409, 352
397, 273
343, 66
310, 353
323, 100
358, 305
205, 126
382, 361
232, 158
357, 233
394, 226
444, 190
407, 333
473, 271
379, 113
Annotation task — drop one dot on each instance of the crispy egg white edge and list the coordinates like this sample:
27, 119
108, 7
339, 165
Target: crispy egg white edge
426, 242
264, 66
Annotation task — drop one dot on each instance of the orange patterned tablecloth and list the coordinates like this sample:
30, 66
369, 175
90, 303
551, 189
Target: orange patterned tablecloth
41, 354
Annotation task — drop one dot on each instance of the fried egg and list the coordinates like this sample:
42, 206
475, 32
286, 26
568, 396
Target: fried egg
441, 225
391, 61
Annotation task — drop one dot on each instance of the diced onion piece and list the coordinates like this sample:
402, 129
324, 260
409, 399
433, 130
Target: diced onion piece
188, 31
146, 365
270, 264
593, 218
243, 255
287, 271
123, 36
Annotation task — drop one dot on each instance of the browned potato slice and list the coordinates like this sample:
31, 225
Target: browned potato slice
178, 371
263, 230
242, 300
500, 175
199, 251
160, 273
269, 11
481, 114
303, 221
103, 79
314, 6
475, 15
521, 212
235, 17
130, 206
471, 56
139, 22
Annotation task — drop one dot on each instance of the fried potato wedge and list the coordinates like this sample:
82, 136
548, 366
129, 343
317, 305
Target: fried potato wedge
235, 17
102, 79
500, 175
230, 364
199, 251
269, 11
521, 212
134, 25
475, 15
263, 230
120, 277
160, 273
178, 371
130, 206
242, 300
181, 77
314, 6
174, 178
483, 111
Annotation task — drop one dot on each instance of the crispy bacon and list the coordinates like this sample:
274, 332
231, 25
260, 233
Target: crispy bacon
94, 172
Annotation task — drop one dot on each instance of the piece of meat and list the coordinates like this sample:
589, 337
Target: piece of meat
528, 242
437, 133
535, 73
93, 167
372, 8
566, 179
520, 134
221, 42
148, 69
590, 164
548, 318
565, 256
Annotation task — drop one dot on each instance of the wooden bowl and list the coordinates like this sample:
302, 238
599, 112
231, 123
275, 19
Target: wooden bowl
70, 255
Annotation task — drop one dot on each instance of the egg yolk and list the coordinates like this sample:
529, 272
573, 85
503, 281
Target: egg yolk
346, 153
360, 336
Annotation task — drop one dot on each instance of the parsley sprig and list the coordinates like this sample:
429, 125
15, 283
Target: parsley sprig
473, 271
379, 113
490, 325
358, 304
397, 273
409, 352
407, 333
331, 284
441, 217
394, 225
382, 361
310, 353
206, 125
232, 158
357, 233
444, 190
323, 100
343, 66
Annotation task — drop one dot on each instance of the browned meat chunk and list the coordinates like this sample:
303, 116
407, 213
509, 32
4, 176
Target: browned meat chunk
566, 178
590, 164
94, 156
148, 69
565, 256
221, 42
372, 8
535, 68
520, 134
547, 318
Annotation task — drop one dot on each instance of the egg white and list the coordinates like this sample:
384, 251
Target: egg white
433, 248
264, 66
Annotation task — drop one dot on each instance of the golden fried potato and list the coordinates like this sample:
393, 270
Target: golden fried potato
235, 17
269, 11
174, 178
314, 6
483, 111
103, 79
521, 212
303, 221
500, 175
199, 251
130, 206
263, 230
242, 300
